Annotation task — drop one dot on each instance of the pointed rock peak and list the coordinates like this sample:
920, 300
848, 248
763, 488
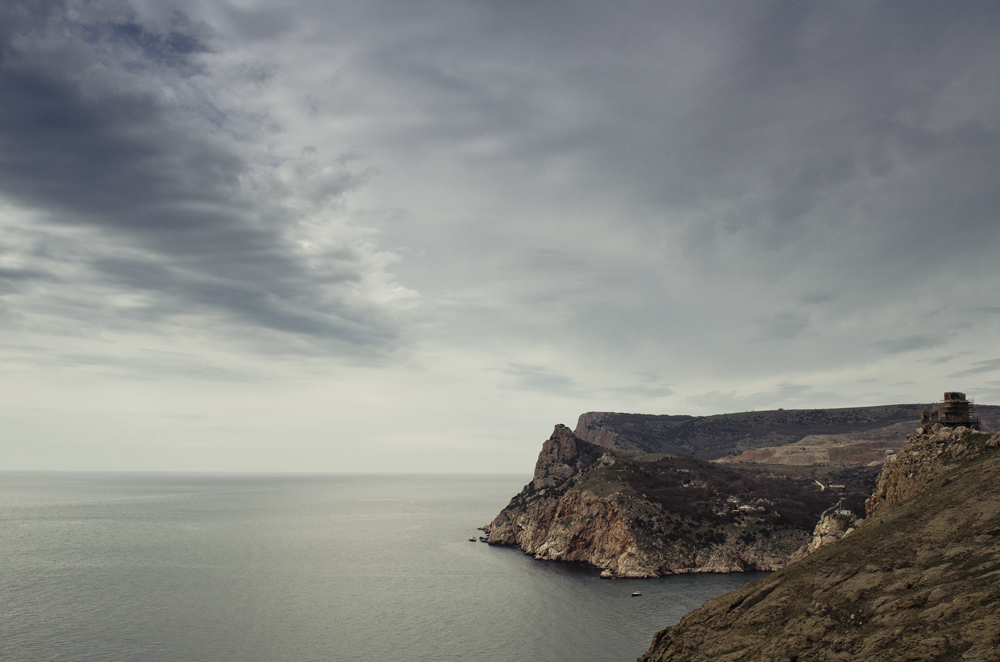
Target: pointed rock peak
563, 435
556, 462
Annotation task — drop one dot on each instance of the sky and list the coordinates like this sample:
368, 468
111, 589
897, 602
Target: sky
377, 236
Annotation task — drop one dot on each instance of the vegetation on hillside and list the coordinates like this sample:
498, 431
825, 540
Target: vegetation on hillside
681, 499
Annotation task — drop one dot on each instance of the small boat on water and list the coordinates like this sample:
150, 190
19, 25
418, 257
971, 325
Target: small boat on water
472, 539
636, 594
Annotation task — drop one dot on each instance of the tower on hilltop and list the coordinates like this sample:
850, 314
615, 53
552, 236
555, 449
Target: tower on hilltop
954, 412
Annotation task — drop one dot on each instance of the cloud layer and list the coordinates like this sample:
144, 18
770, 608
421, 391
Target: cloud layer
112, 138
470, 213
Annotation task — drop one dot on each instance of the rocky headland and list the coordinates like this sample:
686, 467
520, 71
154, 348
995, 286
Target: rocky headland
645, 515
919, 579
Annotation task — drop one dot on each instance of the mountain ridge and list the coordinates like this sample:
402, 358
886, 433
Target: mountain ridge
722, 436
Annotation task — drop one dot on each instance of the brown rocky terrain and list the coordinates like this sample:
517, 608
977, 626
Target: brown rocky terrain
918, 580
651, 515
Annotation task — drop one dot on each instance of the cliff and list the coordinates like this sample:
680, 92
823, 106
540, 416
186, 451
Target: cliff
562, 456
919, 580
908, 474
651, 515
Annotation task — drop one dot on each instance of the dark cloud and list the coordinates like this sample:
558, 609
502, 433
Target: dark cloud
88, 137
755, 188
806, 116
781, 148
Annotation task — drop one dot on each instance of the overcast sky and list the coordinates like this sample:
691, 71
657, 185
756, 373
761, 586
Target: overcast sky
364, 235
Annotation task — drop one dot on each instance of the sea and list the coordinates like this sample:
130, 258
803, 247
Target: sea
116, 567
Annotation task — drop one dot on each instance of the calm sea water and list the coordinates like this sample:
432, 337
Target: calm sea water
184, 568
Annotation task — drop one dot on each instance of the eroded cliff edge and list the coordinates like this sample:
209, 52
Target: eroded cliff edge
650, 515
919, 580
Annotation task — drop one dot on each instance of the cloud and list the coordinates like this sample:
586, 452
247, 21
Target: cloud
990, 365
771, 203
540, 379
909, 343
108, 128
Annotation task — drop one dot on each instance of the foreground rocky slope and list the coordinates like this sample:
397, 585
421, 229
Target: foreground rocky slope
919, 580
652, 515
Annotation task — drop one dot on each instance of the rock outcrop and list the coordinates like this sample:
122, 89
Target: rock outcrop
562, 456
833, 525
908, 473
919, 580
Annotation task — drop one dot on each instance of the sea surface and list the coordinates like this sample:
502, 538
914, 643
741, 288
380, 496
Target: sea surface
191, 567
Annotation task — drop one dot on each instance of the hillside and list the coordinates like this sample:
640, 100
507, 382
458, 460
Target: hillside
919, 580
642, 515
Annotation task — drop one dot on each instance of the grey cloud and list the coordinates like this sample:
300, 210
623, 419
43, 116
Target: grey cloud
910, 343
539, 378
171, 47
85, 138
848, 149
868, 124
980, 367
633, 174
786, 325
149, 366
260, 23
939, 360
784, 395
640, 392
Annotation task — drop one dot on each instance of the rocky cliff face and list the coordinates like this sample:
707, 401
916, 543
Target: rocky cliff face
642, 433
907, 474
574, 526
919, 580
563, 456
586, 504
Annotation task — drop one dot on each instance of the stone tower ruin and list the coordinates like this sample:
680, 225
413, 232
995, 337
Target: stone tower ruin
954, 412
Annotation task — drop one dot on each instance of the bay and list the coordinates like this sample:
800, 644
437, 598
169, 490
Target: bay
190, 567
